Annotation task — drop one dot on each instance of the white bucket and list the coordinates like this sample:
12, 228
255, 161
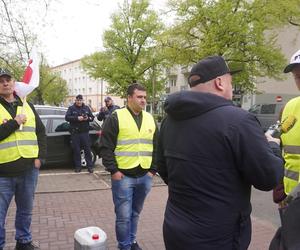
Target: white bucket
90, 238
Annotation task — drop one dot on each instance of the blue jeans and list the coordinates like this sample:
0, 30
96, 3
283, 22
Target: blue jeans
129, 195
23, 188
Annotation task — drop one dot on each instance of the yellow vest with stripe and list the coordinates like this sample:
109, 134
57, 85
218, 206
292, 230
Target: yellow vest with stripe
291, 146
134, 146
21, 143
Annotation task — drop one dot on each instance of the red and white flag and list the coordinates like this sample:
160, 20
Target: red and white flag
31, 77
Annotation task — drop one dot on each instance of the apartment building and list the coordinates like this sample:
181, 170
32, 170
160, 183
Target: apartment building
269, 90
78, 82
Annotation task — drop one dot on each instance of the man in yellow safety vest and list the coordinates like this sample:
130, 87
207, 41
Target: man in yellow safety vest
128, 146
290, 136
21, 156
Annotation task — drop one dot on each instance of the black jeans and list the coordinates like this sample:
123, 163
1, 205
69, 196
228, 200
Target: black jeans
81, 141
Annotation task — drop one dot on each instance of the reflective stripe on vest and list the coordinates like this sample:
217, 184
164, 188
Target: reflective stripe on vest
15, 143
288, 149
21, 143
291, 146
134, 147
291, 174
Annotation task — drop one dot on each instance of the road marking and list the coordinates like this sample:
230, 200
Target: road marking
70, 173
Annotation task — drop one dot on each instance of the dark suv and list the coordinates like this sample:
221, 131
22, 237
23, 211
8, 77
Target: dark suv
267, 113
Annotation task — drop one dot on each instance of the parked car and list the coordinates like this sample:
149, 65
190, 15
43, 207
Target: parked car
95, 114
50, 110
59, 150
267, 113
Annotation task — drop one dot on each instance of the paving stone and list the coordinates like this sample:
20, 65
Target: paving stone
65, 202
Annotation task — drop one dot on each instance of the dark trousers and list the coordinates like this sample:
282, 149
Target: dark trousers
81, 141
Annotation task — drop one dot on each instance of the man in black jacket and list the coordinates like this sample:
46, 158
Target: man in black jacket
79, 115
107, 109
210, 153
21, 155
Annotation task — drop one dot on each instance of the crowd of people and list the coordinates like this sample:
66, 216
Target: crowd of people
209, 169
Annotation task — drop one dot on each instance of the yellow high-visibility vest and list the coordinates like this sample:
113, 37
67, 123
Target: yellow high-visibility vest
21, 143
134, 146
291, 146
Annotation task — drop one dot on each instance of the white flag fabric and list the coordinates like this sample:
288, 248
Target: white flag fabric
31, 76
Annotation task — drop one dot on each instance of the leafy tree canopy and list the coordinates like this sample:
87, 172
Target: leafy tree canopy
242, 31
131, 51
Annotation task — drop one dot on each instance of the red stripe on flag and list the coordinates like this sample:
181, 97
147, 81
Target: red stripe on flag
28, 73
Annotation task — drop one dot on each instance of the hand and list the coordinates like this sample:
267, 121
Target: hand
37, 163
21, 119
271, 138
117, 176
80, 118
103, 109
150, 174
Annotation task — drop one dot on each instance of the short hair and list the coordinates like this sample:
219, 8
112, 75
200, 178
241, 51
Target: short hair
132, 87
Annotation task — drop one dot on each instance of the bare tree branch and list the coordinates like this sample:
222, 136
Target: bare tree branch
12, 29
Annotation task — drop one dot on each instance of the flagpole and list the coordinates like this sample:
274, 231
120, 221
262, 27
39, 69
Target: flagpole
22, 111
29, 81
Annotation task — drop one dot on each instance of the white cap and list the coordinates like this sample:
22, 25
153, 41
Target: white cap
295, 59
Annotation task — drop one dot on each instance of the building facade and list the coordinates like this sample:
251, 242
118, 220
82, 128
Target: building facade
268, 90
78, 82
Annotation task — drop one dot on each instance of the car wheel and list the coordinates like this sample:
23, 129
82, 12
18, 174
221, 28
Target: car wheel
83, 161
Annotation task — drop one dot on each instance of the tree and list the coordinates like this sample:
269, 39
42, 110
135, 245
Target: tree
242, 31
16, 41
131, 52
16, 35
52, 88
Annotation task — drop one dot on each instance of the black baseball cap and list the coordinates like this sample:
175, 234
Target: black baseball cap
79, 97
5, 72
209, 68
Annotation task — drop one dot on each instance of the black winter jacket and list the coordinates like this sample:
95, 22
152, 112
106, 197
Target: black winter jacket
72, 114
210, 153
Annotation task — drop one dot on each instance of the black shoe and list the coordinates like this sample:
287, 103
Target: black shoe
26, 246
135, 246
77, 170
91, 170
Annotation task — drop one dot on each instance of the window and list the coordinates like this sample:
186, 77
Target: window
255, 109
59, 125
173, 82
268, 109
45, 122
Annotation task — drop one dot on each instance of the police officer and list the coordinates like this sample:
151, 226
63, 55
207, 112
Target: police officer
79, 115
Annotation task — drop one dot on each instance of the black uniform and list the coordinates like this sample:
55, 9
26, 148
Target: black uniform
80, 134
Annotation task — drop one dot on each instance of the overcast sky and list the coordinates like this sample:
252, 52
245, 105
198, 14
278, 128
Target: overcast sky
74, 27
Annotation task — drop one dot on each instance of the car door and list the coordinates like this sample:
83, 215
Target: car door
58, 141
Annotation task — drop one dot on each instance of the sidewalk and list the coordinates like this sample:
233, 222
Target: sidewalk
66, 202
